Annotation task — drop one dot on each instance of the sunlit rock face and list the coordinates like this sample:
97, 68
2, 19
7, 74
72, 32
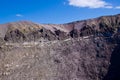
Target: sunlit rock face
81, 50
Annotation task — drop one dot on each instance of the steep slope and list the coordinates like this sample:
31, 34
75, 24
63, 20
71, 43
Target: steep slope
80, 59
28, 31
81, 50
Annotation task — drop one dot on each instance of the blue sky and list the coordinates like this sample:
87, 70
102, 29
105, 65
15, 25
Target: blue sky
56, 11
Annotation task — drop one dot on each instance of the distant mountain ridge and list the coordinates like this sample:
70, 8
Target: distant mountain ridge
26, 31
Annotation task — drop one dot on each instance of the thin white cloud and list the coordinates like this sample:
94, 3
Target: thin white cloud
90, 3
117, 7
109, 7
19, 15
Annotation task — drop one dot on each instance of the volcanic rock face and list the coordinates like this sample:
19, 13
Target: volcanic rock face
81, 50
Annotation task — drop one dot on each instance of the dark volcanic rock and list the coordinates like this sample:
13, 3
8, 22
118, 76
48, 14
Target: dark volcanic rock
81, 50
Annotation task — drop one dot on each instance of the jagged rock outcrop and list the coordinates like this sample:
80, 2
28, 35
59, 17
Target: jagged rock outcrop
81, 50
28, 31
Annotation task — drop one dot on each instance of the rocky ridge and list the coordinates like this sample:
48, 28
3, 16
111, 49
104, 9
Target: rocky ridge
28, 31
81, 50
